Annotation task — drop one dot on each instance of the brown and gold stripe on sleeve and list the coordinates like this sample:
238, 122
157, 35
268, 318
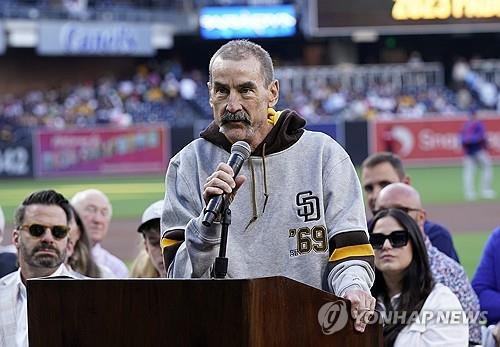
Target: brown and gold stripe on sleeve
351, 245
170, 243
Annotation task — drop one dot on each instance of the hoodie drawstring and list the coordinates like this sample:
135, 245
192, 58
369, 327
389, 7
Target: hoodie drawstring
254, 194
266, 193
254, 188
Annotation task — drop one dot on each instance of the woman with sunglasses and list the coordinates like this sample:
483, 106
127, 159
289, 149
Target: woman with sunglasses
417, 311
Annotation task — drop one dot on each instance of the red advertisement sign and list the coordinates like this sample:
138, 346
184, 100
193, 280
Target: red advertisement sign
137, 149
429, 140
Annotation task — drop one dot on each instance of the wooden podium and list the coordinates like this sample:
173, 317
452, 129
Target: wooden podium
274, 311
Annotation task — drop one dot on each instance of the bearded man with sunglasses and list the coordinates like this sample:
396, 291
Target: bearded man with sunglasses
444, 269
41, 239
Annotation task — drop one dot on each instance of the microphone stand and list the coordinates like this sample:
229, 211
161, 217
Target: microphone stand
220, 265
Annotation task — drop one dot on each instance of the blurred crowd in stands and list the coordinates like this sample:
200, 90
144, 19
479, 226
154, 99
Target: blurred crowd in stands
380, 102
159, 94
113, 9
165, 93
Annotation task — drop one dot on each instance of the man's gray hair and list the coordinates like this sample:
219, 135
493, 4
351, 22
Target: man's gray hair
82, 196
243, 49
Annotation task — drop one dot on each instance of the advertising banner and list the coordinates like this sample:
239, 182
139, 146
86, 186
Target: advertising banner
138, 149
430, 140
90, 38
16, 158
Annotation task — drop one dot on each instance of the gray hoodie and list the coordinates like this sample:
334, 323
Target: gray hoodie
300, 213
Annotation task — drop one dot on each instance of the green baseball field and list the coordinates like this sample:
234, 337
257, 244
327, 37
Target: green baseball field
441, 190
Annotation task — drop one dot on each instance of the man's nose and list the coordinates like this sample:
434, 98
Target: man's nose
47, 236
98, 218
233, 103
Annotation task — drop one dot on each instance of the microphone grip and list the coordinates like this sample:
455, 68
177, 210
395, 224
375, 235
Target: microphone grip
213, 208
215, 203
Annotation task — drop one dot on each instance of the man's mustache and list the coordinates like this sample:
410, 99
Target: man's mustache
45, 247
239, 116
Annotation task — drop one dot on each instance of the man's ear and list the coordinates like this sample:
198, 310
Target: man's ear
15, 238
145, 244
421, 218
274, 93
209, 86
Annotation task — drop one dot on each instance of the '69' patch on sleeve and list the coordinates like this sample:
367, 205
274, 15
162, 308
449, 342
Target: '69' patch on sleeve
305, 240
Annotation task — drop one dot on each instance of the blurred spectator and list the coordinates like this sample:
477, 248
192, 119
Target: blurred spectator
388, 139
486, 92
142, 267
150, 230
95, 209
76, 8
381, 169
4, 248
79, 255
8, 259
41, 238
475, 145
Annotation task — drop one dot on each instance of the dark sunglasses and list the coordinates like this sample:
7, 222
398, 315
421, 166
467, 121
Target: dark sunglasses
398, 238
37, 230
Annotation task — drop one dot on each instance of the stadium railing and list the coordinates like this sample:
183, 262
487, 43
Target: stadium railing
361, 77
489, 69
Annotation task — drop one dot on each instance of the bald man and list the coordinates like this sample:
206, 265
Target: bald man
94, 208
444, 269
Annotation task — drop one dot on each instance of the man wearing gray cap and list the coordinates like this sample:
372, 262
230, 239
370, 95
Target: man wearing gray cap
150, 230
7, 257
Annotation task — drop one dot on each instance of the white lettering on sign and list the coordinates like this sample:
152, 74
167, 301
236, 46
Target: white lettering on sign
429, 140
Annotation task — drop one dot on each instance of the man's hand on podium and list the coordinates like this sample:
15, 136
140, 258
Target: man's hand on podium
362, 307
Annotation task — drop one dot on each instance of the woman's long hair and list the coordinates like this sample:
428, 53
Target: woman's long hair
142, 267
81, 260
417, 282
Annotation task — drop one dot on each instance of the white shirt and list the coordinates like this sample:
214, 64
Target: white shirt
22, 306
431, 332
105, 259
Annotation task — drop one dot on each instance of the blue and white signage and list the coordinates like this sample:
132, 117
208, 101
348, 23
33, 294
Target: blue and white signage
247, 21
77, 38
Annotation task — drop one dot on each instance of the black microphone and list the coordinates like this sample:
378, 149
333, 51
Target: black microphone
240, 151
